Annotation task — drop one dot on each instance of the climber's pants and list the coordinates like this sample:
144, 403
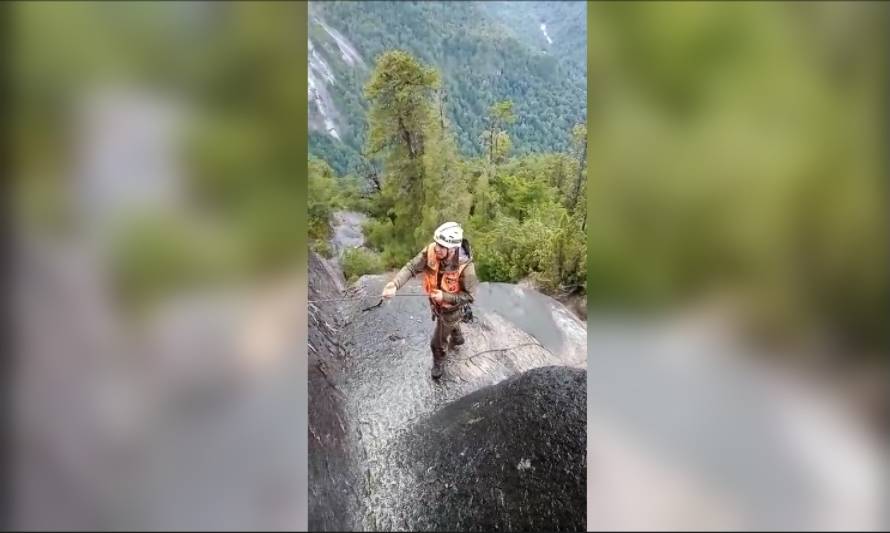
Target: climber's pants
447, 324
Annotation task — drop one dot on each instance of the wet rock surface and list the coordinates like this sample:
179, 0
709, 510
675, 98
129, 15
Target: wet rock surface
383, 372
333, 478
511, 456
347, 226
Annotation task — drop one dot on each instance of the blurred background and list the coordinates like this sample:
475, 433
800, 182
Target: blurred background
738, 288
159, 265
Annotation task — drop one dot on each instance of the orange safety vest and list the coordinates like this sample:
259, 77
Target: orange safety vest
450, 280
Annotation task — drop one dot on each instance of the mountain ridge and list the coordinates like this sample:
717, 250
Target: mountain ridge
480, 60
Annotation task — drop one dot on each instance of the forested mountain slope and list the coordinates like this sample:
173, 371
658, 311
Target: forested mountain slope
485, 53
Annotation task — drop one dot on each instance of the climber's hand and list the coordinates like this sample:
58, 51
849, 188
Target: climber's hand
437, 296
389, 290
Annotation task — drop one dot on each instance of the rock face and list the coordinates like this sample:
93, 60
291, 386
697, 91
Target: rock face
511, 456
347, 226
375, 414
333, 503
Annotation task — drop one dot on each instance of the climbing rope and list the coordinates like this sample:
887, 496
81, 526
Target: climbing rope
538, 344
378, 304
353, 298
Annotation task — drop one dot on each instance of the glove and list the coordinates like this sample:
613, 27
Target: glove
389, 290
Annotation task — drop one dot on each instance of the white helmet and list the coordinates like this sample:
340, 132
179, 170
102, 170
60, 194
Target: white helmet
449, 234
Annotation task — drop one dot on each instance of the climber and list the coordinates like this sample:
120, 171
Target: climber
449, 280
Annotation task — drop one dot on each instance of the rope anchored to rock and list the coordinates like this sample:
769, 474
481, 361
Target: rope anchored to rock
538, 344
356, 298
353, 298
457, 359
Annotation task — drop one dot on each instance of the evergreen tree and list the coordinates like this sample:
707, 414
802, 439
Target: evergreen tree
400, 95
579, 142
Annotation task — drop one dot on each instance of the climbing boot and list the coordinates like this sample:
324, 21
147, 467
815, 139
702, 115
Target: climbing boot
436, 373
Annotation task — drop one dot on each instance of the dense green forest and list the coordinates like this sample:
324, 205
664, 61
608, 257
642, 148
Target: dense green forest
480, 55
524, 215
565, 25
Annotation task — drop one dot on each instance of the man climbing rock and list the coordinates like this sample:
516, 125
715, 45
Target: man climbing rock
449, 278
